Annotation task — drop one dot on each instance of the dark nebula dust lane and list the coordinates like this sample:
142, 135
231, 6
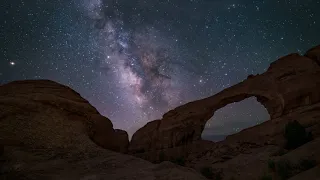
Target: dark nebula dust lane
134, 60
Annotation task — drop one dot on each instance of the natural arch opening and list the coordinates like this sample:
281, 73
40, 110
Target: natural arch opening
233, 118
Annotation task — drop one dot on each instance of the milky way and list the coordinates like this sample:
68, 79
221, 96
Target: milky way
134, 60
141, 62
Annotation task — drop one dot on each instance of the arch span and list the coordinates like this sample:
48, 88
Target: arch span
233, 118
218, 103
186, 123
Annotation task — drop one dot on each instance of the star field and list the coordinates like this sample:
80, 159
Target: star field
135, 60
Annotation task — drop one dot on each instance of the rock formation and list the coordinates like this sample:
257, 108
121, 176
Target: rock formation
289, 90
26, 97
48, 131
290, 83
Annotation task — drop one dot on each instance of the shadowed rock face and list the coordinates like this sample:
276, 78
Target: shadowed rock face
21, 100
48, 131
290, 83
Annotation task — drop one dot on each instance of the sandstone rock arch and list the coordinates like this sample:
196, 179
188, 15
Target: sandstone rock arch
233, 118
289, 83
186, 123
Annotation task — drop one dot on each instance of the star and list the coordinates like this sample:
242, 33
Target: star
136, 60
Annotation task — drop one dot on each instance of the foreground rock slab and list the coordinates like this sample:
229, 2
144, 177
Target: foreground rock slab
48, 131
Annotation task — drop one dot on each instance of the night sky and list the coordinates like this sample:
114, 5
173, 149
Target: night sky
136, 59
